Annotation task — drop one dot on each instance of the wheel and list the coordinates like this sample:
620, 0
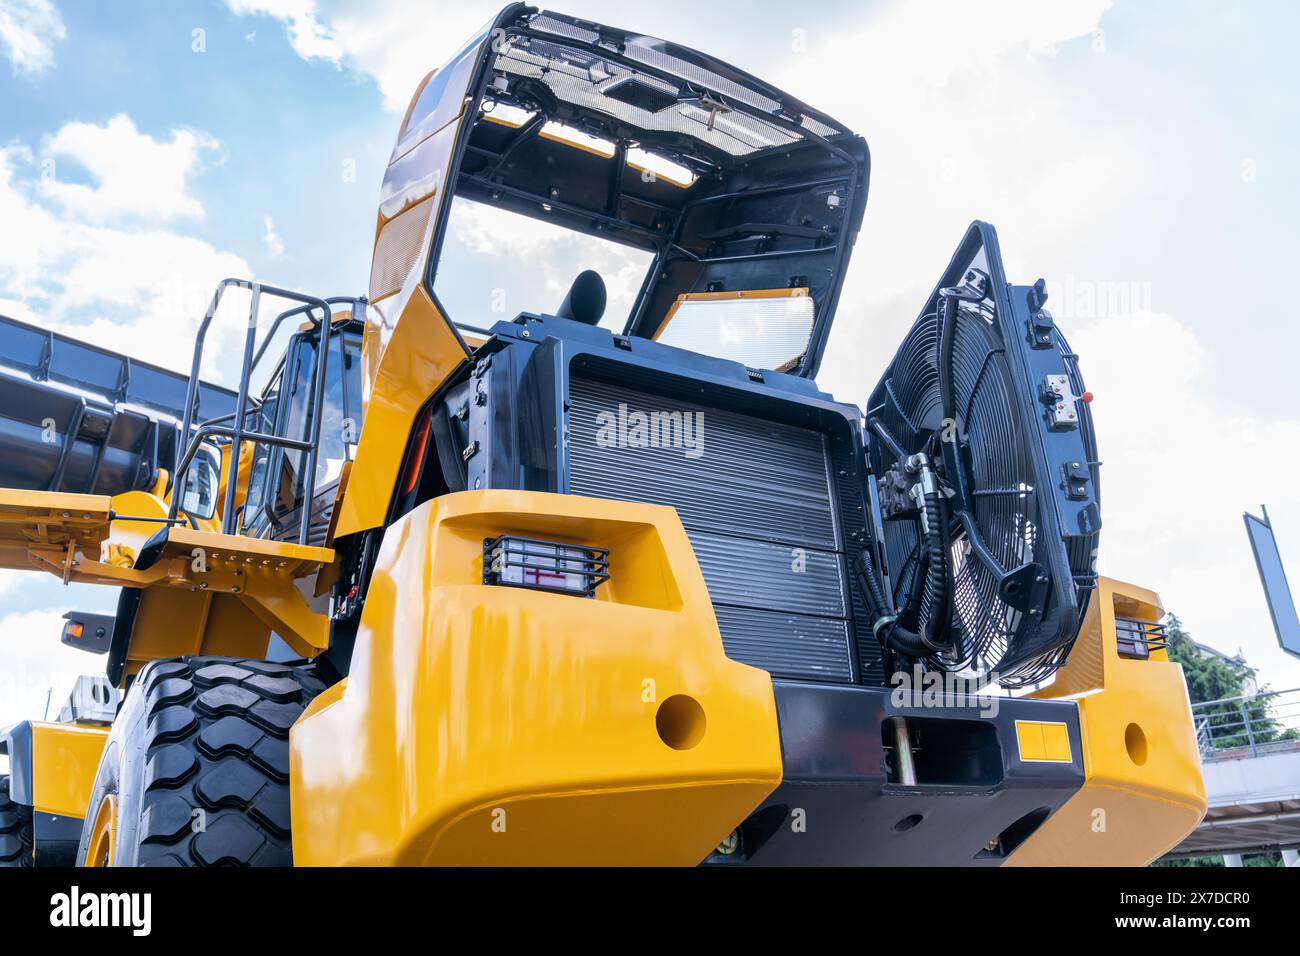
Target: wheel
15, 829
196, 768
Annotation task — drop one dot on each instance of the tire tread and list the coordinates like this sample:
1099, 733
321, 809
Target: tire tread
216, 742
15, 830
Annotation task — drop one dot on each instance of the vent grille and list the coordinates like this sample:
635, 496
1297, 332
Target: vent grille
757, 501
398, 249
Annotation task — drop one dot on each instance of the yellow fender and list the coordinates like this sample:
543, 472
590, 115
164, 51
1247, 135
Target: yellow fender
503, 726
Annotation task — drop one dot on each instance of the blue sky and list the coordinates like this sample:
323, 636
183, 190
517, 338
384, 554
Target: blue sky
1141, 157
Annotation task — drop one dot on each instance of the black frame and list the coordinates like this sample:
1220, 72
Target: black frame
515, 20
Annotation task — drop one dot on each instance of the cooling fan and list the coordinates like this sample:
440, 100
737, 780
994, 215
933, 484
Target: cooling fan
981, 444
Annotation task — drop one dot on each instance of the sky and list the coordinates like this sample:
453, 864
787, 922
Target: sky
1138, 156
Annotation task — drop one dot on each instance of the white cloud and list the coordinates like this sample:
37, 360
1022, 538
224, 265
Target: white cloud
37, 666
308, 36
1179, 464
133, 174
139, 289
965, 119
935, 41
381, 39
28, 31
271, 239
21, 311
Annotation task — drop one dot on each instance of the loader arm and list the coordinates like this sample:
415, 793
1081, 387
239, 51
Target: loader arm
204, 579
78, 418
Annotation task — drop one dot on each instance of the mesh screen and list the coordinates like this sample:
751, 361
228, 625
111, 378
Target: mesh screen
398, 249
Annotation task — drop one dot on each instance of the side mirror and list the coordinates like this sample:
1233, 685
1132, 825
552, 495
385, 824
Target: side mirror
88, 632
199, 497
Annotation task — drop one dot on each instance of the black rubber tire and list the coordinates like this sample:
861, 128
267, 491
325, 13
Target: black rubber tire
198, 762
15, 829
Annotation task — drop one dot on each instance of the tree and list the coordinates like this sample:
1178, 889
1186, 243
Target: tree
1210, 679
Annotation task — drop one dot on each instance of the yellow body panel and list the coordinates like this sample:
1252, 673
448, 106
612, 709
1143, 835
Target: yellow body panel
170, 622
1143, 791
65, 758
497, 725
224, 595
405, 361
409, 347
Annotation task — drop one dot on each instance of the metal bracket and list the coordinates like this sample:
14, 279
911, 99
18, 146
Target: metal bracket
1059, 397
1040, 328
1077, 475
1025, 588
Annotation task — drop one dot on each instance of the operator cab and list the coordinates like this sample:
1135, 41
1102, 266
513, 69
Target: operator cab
277, 475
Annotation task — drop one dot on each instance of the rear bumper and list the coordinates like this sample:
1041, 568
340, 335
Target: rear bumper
1131, 790
503, 726
837, 804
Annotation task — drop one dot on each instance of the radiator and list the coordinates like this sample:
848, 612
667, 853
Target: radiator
757, 502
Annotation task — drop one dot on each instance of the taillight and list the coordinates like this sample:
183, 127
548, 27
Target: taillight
412, 472
544, 565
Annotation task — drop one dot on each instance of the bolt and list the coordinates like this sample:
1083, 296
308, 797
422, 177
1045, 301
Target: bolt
730, 843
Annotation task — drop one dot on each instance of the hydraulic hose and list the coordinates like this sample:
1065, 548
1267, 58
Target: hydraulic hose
935, 604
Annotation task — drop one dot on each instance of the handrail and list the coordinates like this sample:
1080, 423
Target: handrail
187, 444
1261, 722
1255, 696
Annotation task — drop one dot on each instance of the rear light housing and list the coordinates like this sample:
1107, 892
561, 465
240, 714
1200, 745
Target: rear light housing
512, 561
1137, 639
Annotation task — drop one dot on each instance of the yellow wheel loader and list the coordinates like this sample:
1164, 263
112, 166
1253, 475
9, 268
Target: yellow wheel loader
575, 589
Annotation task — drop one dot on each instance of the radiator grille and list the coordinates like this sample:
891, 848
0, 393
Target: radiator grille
398, 249
758, 504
